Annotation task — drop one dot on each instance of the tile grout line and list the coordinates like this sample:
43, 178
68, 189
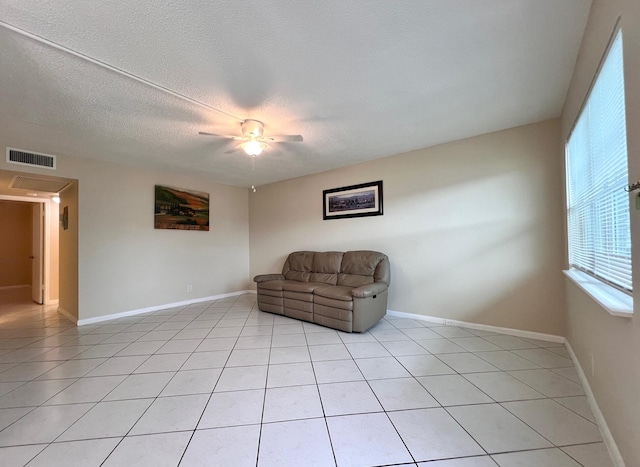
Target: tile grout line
264, 397
445, 408
491, 398
194, 316
186, 447
324, 414
380, 403
102, 400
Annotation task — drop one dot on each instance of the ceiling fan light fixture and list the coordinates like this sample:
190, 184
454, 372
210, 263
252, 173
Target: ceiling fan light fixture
252, 128
253, 148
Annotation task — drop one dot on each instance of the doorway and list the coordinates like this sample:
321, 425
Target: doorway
29, 247
60, 246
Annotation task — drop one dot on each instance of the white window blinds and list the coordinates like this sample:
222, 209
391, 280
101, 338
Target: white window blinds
596, 159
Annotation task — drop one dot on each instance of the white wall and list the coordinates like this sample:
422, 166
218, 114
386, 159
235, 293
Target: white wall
473, 229
68, 255
614, 343
123, 262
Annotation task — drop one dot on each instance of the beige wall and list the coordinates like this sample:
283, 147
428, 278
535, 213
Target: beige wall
614, 343
125, 264
68, 250
473, 228
15, 243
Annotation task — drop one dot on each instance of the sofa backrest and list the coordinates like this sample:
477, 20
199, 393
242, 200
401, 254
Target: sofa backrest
298, 265
326, 267
352, 269
364, 267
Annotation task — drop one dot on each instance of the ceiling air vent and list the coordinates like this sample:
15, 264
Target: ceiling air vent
22, 182
18, 156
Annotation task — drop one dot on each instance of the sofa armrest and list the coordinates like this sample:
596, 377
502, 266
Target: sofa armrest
369, 290
268, 277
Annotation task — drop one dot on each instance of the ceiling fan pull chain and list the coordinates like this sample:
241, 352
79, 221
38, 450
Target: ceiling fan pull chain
253, 173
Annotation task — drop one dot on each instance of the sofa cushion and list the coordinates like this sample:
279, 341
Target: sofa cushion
326, 266
362, 263
327, 261
301, 296
299, 261
298, 276
273, 285
331, 279
363, 267
335, 292
354, 280
307, 287
297, 267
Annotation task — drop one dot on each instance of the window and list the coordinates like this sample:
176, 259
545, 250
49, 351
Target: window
596, 159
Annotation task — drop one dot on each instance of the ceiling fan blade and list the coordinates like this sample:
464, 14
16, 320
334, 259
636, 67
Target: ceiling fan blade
233, 149
282, 138
220, 136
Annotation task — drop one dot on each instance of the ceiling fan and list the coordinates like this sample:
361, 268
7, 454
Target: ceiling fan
254, 141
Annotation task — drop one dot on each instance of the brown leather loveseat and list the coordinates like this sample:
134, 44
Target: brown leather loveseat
345, 291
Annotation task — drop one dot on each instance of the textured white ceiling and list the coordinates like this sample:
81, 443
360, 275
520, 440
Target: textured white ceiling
359, 79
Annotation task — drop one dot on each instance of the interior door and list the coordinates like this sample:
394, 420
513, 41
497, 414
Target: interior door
37, 254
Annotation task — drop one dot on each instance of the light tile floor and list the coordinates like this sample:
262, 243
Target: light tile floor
222, 384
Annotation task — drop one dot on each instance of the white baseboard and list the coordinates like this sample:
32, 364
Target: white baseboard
607, 437
124, 314
483, 327
21, 286
67, 315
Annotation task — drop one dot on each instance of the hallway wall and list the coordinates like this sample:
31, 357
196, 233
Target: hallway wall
15, 243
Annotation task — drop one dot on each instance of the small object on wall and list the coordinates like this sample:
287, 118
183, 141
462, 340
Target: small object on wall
353, 201
634, 187
180, 209
64, 218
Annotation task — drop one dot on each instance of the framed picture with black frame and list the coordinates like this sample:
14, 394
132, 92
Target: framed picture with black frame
353, 201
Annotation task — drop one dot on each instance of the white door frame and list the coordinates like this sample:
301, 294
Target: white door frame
46, 260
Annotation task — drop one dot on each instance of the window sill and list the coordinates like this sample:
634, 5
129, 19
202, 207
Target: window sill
614, 301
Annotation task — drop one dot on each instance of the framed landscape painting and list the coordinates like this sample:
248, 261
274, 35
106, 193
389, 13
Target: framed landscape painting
180, 209
353, 201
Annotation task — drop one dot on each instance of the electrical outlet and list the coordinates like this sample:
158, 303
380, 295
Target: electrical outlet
189, 288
